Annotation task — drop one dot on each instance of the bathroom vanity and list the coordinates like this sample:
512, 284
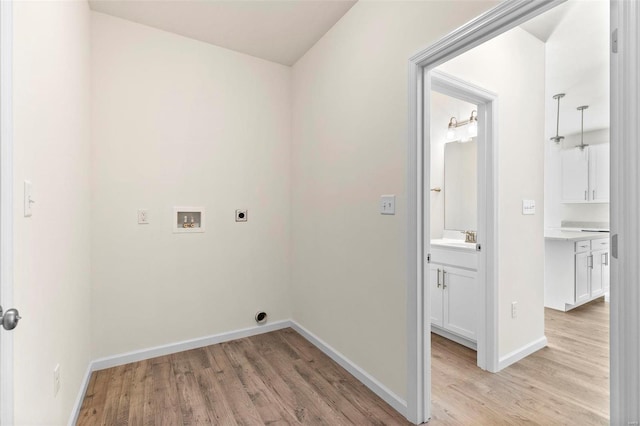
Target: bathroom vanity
576, 268
452, 278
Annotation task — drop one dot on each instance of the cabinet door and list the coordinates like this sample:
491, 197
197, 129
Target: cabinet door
596, 262
460, 301
435, 278
575, 175
583, 272
599, 173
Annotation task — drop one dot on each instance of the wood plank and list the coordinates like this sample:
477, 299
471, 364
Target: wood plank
281, 378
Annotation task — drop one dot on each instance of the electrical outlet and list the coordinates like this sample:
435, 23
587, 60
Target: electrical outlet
56, 380
143, 217
514, 309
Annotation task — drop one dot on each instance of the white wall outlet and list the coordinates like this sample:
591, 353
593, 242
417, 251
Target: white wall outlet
143, 216
387, 204
528, 206
56, 380
242, 215
514, 309
28, 198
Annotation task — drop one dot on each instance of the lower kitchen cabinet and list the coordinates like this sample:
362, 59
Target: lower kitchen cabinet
576, 272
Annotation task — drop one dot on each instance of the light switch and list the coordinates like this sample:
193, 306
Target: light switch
387, 204
528, 207
28, 198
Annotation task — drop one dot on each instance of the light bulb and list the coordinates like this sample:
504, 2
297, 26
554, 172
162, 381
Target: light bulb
473, 129
451, 134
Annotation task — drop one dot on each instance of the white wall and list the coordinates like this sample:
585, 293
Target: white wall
512, 66
349, 147
51, 148
180, 122
443, 108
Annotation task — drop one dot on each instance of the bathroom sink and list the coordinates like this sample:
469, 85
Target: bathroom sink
447, 242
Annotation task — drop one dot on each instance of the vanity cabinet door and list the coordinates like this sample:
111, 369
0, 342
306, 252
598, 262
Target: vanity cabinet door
583, 272
575, 176
460, 301
435, 279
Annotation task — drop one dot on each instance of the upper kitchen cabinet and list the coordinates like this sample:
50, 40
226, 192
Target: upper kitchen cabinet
585, 174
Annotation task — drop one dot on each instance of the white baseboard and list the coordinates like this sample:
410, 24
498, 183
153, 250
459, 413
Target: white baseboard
83, 390
521, 353
369, 381
185, 345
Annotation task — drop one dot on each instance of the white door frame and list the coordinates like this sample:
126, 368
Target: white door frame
487, 207
625, 222
6, 208
496, 21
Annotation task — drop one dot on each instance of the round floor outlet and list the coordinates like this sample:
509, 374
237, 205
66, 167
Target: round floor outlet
261, 317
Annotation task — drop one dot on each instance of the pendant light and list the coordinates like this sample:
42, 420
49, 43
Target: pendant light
557, 138
582, 144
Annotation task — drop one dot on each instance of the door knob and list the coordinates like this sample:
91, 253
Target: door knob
10, 318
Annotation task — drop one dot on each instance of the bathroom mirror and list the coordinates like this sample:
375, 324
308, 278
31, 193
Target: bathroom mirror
461, 186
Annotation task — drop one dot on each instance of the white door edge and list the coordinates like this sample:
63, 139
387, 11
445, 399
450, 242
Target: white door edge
6, 207
625, 222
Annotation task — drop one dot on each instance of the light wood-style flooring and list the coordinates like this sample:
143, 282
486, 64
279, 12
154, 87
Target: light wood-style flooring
280, 378
277, 378
566, 383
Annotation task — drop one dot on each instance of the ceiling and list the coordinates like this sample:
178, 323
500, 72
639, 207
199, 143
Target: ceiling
576, 34
281, 31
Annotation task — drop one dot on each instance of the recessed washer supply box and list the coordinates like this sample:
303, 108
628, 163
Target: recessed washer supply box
188, 219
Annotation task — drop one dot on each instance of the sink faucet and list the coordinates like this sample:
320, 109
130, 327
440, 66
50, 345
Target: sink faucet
469, 236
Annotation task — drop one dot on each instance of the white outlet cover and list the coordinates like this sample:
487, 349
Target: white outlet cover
143, 216
387, 204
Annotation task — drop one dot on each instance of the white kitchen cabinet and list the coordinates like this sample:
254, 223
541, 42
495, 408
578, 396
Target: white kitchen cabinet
576, 272
453, 298
585, 174
582, 272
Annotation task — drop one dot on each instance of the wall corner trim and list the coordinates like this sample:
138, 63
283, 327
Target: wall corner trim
75, 412
365, 378
523, 352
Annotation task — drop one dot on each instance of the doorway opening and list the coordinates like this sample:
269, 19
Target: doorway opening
516, 302
461, 187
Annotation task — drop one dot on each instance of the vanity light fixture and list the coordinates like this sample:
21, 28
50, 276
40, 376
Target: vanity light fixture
472, 130
451, 132
582, 144
557, 138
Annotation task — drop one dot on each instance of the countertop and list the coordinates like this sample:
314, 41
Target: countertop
564, 235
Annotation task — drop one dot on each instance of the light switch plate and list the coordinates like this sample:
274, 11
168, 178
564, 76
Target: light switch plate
528, 207
28, 198
387, 204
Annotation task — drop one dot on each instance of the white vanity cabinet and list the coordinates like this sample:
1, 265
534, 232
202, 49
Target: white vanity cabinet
576, 271
585, 174
453, 290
